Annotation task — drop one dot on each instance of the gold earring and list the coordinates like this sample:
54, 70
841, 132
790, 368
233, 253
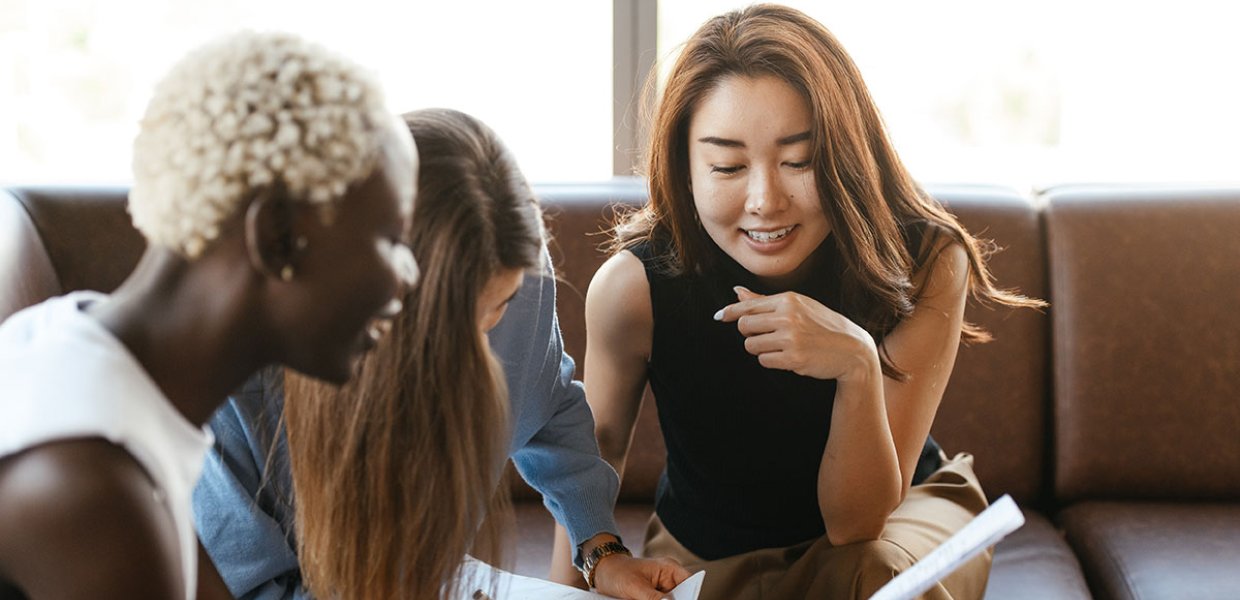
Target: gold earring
286, 274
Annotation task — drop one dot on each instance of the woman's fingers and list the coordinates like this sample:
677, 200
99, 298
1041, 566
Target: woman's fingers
753, 306
761, 344
757, 324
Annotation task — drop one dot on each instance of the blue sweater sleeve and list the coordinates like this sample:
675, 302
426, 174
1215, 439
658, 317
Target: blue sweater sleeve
242, 503
554, 448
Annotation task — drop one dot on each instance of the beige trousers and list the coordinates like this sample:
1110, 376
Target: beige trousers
932, 511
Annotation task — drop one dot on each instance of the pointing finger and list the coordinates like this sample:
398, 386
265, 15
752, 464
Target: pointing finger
744, 293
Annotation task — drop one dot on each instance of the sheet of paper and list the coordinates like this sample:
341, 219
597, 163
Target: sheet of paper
689, 588
481, 577
985, 530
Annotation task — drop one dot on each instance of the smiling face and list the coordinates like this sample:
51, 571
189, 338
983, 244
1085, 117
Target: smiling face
753, 182
355, 269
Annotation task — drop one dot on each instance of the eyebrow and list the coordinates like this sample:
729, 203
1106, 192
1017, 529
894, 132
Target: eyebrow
783, 141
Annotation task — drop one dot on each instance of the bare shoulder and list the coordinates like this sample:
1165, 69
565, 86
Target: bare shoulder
82, 518
622, 272
618, 303
945, 276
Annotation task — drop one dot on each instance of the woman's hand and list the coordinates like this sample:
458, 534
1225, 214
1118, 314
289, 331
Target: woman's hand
795, 333
621, 576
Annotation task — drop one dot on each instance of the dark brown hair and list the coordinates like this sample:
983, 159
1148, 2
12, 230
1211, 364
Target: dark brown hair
867, 195
395, 473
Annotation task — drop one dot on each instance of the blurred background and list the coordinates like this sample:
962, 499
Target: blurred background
1017, 93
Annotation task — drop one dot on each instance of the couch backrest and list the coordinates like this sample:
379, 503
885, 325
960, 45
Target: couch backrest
59, 239
578, 216
996, 404
1146, 325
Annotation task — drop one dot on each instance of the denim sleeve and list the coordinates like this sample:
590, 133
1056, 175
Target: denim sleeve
554, 446
562, 462
242, 505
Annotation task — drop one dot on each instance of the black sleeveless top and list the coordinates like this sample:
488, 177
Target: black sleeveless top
743, 442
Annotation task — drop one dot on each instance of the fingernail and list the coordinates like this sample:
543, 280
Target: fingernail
719, 315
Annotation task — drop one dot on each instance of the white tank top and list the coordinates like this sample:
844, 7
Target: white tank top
65, 376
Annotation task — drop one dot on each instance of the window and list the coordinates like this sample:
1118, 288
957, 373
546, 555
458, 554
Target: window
1031, 94
75, 75
1024, 94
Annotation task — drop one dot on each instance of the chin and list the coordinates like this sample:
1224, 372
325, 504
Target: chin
772, 271
337, 371
339, 376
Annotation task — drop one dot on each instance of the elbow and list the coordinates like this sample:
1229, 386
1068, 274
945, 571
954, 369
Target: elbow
856, 531
851, 525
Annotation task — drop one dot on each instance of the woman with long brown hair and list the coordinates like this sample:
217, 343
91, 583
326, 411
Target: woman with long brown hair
392, 475
795, 301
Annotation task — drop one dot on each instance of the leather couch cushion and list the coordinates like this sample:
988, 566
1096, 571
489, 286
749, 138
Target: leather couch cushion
1146, 285
1035, 562
1157, 550
24, 265
86, 232
995, 403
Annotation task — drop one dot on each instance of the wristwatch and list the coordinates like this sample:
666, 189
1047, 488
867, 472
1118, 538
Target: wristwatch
598, 553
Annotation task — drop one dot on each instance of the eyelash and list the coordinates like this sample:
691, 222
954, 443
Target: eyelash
733, 170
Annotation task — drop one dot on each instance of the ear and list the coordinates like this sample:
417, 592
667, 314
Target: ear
269, 236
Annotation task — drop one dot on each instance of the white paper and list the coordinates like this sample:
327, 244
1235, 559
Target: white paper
481, 577
985, 530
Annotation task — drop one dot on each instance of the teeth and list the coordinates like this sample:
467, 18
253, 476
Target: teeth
392, 308
376, 330
768, 236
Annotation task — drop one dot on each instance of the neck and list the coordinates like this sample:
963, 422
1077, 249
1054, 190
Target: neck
190, 326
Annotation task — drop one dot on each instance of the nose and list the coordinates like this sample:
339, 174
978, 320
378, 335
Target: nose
766, 193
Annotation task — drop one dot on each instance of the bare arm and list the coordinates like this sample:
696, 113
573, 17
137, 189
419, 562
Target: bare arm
878, 425
210, 585
81, 519
923, 346
619, 326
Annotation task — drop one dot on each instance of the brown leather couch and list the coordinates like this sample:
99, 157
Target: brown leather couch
1113, 418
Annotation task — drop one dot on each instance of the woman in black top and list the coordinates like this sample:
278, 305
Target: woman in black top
795, 301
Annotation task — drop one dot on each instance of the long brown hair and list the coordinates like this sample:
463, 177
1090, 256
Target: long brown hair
867, 194
395, 473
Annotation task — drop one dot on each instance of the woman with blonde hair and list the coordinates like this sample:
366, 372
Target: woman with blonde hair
795, 302
274, 189
383, 485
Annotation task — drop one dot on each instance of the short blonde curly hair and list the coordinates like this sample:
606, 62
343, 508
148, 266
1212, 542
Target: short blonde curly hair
247, 113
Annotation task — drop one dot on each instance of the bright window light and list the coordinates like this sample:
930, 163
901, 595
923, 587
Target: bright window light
75, 75
1036, 93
